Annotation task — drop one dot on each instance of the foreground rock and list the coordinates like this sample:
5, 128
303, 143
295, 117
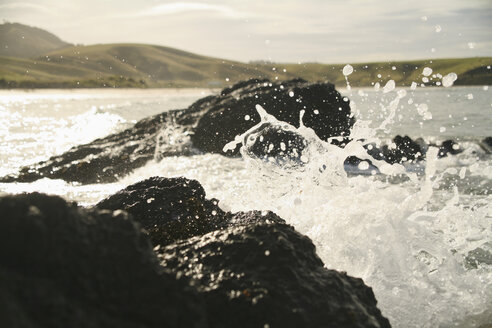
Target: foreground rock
211, 122
268, 275
251, 268
176, 208
62, 266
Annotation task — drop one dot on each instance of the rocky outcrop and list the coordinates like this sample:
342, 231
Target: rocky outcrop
103, 160
268, 275
172, 209
210, 122
233, 112
67, 266
63, 266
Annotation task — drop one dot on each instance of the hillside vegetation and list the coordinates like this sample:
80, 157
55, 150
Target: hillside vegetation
18, 40
142, 65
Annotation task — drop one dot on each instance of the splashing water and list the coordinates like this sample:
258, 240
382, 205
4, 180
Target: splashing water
388, 234
347, 70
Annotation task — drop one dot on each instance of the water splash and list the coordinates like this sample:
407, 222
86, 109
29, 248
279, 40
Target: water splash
411, 252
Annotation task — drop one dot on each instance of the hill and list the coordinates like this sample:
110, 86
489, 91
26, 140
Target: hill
18, 40
140, 65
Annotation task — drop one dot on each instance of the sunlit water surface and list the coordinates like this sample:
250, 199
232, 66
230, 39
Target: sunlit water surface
407, 236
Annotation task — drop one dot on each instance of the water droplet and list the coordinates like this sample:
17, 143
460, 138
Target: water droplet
347, 70
442, 129
471, 45
247, 117
364, 165
389, 86
427, 71
438, 28
469, 96
449, 79
291, 93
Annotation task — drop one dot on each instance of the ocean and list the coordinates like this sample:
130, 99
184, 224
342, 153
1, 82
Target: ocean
408, 234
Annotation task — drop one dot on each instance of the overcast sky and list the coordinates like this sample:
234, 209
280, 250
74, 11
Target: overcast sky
329, 31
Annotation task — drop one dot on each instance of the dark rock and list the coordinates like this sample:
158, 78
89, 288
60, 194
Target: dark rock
449, 147
225, 115
172, 209
107, 159
63, 266
169, 209
268, 275
218, 119
479, 256
406, 150
486, 144
274, 142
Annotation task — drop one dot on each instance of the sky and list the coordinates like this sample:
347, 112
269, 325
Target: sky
327, 31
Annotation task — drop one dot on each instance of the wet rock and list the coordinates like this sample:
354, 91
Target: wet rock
67, 266
449, 147
486, 145
107, 159
233, 111
268, 275
168, 208
405, 149
63, 266
479, 256
172, 209
207, 125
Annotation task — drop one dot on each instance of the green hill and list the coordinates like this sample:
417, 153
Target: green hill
141, 65
18, 40
125, 65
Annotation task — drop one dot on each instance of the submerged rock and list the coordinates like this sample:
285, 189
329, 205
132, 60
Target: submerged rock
233, 111
63, 266
268, 275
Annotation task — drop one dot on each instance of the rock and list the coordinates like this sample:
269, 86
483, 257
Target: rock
63, 266
218, 119
172, 209
406, 150
107, 159
268, 275
449, 147
233, 111
169, 209
67, 266
479, 256
486, 145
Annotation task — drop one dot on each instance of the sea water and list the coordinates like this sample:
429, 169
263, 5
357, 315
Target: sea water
406, 233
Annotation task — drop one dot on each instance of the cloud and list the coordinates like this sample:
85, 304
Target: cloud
186, 7
18, 6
